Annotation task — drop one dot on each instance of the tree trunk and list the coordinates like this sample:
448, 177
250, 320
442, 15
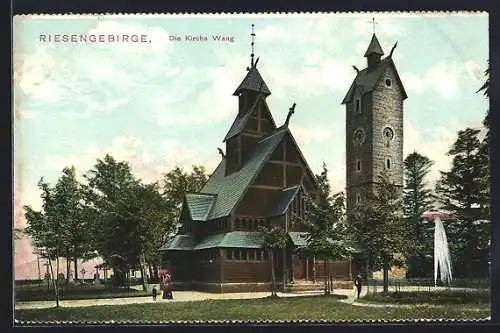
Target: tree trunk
386, 273
38, 264
57, 269
326, 277
150, 268
155, 272
273, 275
68, 267
314, 269
143, 273
54, 282
75, 266
284, 268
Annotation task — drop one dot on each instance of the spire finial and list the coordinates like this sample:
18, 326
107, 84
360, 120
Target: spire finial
372, 22
253, 43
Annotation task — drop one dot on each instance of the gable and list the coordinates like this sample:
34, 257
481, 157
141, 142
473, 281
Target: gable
293, 146
260, 120
232, 187
249, 121
199, 205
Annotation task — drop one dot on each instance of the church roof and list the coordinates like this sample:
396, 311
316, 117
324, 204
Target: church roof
366, 79
199, 205
179, 243
252, 81
374, 47
284, 199
238, 124
245, 239
231, 188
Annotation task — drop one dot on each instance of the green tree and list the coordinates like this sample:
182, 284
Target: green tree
152, 212
111, 207
45, 229
379, 228
18, 233
176, 183
464, 190
275, 239
69, 202
325, 225
460, 189
417, 199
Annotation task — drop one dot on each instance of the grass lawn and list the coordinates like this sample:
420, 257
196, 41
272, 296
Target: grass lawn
290, 308
477, 297
40, 293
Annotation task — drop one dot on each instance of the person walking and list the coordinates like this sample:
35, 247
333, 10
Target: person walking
358, 283
167, 287
155, 292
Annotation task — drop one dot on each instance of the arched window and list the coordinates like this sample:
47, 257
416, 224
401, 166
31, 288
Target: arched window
388, 83
358, 198
388, 163
358, 165
358, 105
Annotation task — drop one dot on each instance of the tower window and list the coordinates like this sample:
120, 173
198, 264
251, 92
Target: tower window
358, 106
388, 82
358, 198
358, 165
388, 163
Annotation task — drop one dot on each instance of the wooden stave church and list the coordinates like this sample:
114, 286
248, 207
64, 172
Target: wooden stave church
263, 179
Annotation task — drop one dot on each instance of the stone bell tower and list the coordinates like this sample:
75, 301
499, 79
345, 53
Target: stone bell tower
374, 124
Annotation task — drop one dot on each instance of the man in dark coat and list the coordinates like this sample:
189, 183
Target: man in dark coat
155, 292
358, 283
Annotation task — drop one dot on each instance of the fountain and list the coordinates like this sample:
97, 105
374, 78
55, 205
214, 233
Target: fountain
442, 261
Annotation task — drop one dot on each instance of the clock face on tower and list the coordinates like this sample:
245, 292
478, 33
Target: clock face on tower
359, 136
388, 134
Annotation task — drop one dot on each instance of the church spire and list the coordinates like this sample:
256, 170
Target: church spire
374, 47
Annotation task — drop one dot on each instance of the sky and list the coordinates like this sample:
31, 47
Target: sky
166, 103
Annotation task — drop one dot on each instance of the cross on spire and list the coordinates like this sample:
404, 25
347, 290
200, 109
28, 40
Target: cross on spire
253, 42
372, 22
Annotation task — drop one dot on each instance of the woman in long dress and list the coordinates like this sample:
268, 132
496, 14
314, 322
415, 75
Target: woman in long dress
167, 287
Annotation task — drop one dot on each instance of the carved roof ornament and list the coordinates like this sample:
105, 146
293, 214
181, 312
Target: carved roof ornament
392, 50
221, 153
290, 112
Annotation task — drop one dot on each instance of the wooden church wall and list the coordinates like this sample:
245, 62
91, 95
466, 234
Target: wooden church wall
256, 201
246, 271
270, 175
180, 264
207, 265
340, 270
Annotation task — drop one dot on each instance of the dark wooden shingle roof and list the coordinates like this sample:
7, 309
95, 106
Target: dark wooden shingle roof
367, 79
280, 206
374, 47
253, 81
231, 188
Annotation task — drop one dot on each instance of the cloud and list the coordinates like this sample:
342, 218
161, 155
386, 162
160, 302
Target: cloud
145, 165
306, 135
473, 70
93, 77
434, 143
442, 78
